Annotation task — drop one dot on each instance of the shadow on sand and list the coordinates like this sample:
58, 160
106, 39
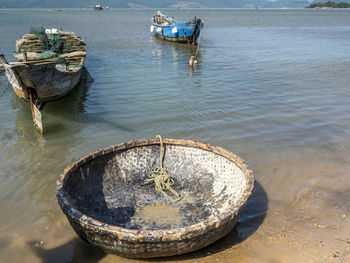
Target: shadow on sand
73, 251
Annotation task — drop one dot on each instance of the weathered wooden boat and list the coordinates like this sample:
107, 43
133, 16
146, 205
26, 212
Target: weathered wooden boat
50, 65
169, 29
110, 203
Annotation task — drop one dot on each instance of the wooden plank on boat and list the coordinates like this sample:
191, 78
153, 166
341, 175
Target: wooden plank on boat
37, 119
36, 115
30, 62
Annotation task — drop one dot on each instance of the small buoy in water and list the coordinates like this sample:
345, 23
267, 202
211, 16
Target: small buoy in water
192, 61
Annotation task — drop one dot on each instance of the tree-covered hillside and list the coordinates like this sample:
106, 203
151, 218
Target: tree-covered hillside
330, 4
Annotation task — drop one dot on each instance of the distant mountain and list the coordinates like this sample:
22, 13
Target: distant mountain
154, 3
186, 4
133, 5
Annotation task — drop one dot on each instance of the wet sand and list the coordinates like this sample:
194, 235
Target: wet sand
290, 224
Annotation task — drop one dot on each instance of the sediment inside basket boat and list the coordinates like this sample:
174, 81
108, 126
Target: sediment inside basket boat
111, 187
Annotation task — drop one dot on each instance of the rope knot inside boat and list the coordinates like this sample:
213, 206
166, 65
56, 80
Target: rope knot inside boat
161, 178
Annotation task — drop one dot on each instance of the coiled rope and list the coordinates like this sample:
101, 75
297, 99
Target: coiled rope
161, 178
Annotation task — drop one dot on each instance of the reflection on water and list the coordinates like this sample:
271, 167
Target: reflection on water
271, 86
35, 155
181, 53
56, 112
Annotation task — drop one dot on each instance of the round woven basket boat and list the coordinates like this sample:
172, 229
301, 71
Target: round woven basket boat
108, 204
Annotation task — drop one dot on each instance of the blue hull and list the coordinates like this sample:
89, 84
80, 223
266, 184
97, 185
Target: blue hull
183, 32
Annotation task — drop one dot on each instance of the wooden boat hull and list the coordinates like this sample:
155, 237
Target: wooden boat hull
46, 80
176, 39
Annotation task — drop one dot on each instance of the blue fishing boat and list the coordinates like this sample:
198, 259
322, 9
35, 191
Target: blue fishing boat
169, 29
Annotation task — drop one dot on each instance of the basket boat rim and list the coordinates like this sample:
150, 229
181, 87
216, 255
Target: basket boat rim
174, 234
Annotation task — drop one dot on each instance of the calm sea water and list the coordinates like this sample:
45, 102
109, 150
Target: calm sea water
271, 85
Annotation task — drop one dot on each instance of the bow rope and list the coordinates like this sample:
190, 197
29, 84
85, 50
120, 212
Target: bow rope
161, 178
